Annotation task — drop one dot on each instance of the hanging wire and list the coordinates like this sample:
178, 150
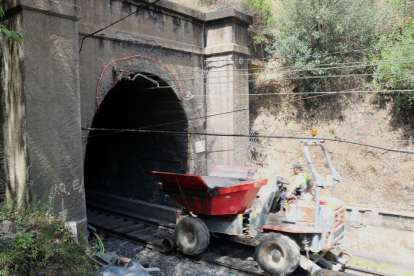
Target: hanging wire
306, 93
275, 70
322, 54
110, 25
175, 122
100, 243
240, 110
296, 68
249, 136
304, 77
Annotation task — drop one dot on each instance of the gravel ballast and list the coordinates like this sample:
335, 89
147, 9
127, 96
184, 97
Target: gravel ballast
170, 265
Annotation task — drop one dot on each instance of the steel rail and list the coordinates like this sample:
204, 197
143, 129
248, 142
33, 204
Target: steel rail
365, 271
151, 245
159, 248
130, 238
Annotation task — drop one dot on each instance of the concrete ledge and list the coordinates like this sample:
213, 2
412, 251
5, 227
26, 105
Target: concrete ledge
132, 207
372, 217
171, 6
141, 39
51, 7
226, 48
229, 13
197, 15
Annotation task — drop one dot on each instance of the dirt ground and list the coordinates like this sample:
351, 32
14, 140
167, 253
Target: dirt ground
371, 177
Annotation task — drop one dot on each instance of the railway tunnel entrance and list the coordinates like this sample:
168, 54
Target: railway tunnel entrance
118, 164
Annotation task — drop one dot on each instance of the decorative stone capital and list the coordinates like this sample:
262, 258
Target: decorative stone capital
229, 14
226, 32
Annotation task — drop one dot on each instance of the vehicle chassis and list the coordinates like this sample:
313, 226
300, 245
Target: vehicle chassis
315, 229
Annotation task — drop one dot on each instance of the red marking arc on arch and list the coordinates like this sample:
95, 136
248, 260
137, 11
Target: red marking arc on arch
135, 56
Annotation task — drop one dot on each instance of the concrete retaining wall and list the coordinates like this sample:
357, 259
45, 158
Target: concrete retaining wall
385, 237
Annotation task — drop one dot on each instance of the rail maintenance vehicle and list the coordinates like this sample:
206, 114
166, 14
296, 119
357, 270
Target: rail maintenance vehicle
305, 233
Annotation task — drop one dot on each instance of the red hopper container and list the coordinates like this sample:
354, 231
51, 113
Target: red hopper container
226, 191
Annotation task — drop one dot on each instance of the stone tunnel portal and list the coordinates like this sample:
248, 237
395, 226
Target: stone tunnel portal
118, 164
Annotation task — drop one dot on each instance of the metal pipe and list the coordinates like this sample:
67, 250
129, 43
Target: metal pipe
148, 78
182, 194
317, 207
335, 174
319, 181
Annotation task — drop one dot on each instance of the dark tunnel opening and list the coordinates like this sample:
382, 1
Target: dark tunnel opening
120, 163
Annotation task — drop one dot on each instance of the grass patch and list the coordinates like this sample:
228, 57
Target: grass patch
44, 246
383, 267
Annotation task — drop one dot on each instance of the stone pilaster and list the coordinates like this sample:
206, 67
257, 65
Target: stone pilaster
48, 136
226, 49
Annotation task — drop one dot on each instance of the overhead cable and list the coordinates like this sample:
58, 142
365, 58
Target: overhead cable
322, 68
272, 70
246, 109
322, 54
296, 78
113, 23
344, 65
248, 136
180, 121
295, 68
306, 93
351, 63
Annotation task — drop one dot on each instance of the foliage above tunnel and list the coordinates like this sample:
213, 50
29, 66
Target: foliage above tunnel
307, 29
262, 11
265, 19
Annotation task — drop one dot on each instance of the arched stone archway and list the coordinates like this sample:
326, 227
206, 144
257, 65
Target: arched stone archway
120, 163
55, 98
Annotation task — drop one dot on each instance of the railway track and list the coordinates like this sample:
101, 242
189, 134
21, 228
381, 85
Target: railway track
135, 231
147, 233
363, 271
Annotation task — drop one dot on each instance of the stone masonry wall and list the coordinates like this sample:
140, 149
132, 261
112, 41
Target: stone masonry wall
48, 88
43, 133
186, 42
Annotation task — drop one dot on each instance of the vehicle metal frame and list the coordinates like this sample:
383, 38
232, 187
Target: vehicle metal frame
320, 236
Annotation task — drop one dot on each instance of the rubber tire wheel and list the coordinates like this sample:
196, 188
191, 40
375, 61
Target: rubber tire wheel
168, 244
285, 246
192, 236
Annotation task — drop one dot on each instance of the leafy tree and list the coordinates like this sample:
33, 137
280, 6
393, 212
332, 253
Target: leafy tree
10, 34
264, 20
401, 8
310, 28
399, 57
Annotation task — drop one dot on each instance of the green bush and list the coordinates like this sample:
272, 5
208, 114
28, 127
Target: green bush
310, 28
264, 20
48, 248
400, 59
